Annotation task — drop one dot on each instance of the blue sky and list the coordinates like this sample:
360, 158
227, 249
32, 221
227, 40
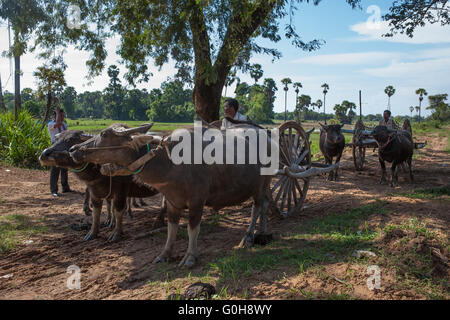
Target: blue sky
355, 57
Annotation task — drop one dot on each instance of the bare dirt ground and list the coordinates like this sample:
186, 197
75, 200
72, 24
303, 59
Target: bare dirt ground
124, 270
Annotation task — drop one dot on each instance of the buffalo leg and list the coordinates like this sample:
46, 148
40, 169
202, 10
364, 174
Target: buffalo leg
119, 206
411, 177
383, 171
247, 240
329, 160
110, 223
195, 217
263, 217
142, 202
87, 198
394, 174
160, 220
135, 202
129, 208
173, 215
337, 168
93, 233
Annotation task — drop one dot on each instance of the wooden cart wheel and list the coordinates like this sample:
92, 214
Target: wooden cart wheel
288, 194
359, 151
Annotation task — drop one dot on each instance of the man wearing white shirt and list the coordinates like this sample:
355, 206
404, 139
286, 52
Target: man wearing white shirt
231, 108
55, 126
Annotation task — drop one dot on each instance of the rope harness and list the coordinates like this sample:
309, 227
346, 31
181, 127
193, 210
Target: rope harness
81, 169
385, 145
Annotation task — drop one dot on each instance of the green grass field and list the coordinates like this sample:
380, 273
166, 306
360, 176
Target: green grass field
96, 125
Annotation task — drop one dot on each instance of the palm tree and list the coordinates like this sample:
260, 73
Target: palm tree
326, 88
256, 72
285, 82
390, 91
271, 88
304, 102
421, 92
297, 86
411, 109
417, 110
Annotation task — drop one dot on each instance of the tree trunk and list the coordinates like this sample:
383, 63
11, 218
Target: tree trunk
47, 110
2, 101
206, 99
17, 98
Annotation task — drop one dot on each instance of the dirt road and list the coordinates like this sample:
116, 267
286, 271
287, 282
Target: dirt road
37, 269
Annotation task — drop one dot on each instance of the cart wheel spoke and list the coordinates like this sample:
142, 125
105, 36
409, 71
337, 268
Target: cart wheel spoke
288, 194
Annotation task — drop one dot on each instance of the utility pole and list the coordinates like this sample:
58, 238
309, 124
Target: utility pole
360, 106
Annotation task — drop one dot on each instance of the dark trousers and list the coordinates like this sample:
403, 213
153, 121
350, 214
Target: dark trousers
54, 175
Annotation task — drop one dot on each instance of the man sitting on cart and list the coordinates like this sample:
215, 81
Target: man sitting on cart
387, 121
231, 108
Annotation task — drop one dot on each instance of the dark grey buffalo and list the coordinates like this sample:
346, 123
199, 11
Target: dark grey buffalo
185, 186
394, 146
100, 187
332, 144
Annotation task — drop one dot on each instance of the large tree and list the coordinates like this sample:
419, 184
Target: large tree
440, 109
204, 38
115, 95
23, 16
2, 101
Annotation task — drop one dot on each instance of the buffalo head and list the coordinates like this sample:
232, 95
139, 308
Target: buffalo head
382, 133
58, 154
114, 144
333, 132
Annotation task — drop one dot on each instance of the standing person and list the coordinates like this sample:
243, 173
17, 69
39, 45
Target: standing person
55, 126
387, 121
231, 108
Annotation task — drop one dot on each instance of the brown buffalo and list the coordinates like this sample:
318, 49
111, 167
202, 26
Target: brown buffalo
100, 187
185, 186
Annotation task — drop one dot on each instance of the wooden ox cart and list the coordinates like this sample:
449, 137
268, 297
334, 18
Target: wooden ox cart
362, 139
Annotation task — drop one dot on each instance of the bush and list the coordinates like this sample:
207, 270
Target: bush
22, 141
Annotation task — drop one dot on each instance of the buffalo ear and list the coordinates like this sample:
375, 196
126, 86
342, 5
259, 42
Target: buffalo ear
341, 126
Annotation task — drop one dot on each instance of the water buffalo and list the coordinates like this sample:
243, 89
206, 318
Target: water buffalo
185, 186
332, 144
394, 146
100, 187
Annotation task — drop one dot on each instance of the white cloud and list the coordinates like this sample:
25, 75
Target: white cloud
430, 33
437, 69
356, 58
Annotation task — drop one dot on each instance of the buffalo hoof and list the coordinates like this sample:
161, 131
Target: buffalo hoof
90, 236
115, 236
187, 261
383, 182
246, 242
110, 224
160, 259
